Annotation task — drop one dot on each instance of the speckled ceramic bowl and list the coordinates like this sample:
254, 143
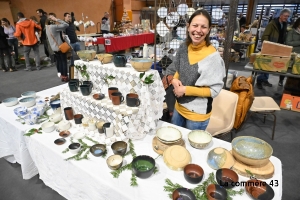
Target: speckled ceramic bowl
20, 111
11, 101
251, 150
220, 158
141, 64
27, 101
29, 94
199, 139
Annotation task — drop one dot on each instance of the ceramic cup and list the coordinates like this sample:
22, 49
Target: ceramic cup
73, 86
99, 126
75, 81
69, 113
112, 90
108, 129
132, 100
85, 122
117, 98
91, 125
78, 118
85, 90
89, 83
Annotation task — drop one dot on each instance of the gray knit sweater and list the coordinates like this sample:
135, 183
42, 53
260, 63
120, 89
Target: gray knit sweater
54, 31
209, 71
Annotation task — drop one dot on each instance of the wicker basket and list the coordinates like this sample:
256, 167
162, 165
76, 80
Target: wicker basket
105, 58
141, 64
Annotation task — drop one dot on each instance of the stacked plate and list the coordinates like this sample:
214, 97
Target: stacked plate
168, 135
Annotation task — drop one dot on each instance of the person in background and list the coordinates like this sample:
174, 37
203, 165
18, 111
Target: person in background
105, 24
25, 31
4, 51
255, 23
274, 32
73, 20
43, 18
54, 35
293, 37
199, 75
71, 33
242, 20
37, 32
12, 40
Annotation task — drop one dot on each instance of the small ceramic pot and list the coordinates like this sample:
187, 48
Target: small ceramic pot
48, 127
64, 125
112, 90
132, 100
85, 90
74, 148
108, 129
78, 118
119, 60
117, 98
69, 113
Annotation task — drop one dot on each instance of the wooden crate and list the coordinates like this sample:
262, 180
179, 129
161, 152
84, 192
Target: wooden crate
275, 49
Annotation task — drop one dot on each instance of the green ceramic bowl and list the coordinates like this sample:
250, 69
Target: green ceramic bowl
143, 166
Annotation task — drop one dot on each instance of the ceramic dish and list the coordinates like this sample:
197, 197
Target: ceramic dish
48, 127
98, 96
183, 194
27, 101
11, 101
74, 147
199, 139
98, 149
143, 166
168, 134
177, 157
30, 119
79, 135
64, 134
251, 150
141, 64
220, 158
20, 111
104, 58
216, 192
226, 178
259, 190
114, 162
59, 141
29, 94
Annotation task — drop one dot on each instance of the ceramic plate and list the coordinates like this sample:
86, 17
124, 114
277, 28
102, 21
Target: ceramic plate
79, 135
168, 134
177, 157
162, 12
172, 19
190, 11
182, 9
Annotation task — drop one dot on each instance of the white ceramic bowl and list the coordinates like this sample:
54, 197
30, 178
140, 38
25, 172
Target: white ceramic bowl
29, 94
27, 101
30, 119
168, 134
11, 101
79, 135
21, 111
64, 125
48, 127
56, 117
199, 139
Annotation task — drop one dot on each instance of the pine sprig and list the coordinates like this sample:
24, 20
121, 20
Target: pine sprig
104, 154
90, 139
33, 131
66, 150
155, 170
117, 172
133, 181
131, 150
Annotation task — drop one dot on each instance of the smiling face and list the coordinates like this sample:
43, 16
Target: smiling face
198, 29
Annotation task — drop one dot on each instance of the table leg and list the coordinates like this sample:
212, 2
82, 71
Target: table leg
254, 75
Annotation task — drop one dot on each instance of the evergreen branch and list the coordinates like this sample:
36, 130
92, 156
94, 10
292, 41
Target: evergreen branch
66, 150
33, 131
117, 172
133, 181
155, 170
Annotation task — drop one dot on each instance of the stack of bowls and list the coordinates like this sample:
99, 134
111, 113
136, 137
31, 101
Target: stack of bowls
168, 135
11, 101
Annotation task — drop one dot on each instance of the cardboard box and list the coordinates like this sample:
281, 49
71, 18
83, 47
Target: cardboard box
286, 101
296, 65
271, 63
296, 104
275, 49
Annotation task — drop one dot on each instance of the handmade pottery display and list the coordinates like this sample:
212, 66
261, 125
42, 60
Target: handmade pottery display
117, 98
143, 166
64, 134
56, 117
193, 173
168, 134
183, 194
55, 104
78, 118
20, 111
199, 139
216, 192
259, 190
112, 90
27, 102
220, 158
64, 125
119, 148
29, 94
104, 58
177, 157
48, 127
10, 101
60, 141
119, 60
69, 113
98, 149
132, 100
37, 111
74, 147
251, 150
226, 178
114, 162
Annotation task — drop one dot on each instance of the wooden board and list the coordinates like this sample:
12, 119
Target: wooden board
263, 172
160, 147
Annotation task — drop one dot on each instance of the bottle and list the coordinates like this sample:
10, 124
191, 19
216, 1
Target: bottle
145, 51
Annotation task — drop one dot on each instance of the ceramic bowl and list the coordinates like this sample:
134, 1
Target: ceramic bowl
98, 149
59, 141
216, 192
177, 157
98, 96
30, 119
86, 55
37, 111
182, 194
56, 117
79, 135
20, 111
193, 173
141, 64
119, 148
226, 178
220, 158
64, 125
55, 104
143, 166
11, 101
105, 58
259, 190
114, 162
48, 127
168, 134
199, 139
74, 147
251, 150
41, 103
29, 94
64, 134
27, 101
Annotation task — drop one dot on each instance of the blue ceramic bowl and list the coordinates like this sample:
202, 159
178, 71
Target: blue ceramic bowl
55, 104
27, 101
30, 119
11, 101
20, 111
29, 94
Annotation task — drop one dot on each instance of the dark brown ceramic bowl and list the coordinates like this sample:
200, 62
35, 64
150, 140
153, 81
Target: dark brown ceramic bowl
98, 149
119, 148
183, 193
259, 190
99, 96
64, 134
216, 192
193, 173
60, 141
226, 178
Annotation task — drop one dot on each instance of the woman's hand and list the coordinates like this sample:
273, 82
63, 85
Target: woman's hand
179, 91
176, 83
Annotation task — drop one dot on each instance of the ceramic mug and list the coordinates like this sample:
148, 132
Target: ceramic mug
85, 90
73, 86
111, 90
69, 113
117, 98
78, 118
85, 122
132, 100
108, 129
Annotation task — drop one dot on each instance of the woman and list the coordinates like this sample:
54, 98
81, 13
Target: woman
54, 35
293, 37
4, 51
12, 40
199, 75
105, 24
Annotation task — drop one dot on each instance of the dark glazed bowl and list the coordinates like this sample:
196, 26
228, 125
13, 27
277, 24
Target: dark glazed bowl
143, 166
183, 194
226, 178
55, 104
60, 141
64, 134
119, 148
193, 173
259, 190
99, 96
98, 149
216, 192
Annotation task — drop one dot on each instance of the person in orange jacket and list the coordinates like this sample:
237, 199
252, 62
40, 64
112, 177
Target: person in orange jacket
25, 30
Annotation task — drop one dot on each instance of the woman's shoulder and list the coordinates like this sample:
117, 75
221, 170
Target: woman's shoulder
210, 49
